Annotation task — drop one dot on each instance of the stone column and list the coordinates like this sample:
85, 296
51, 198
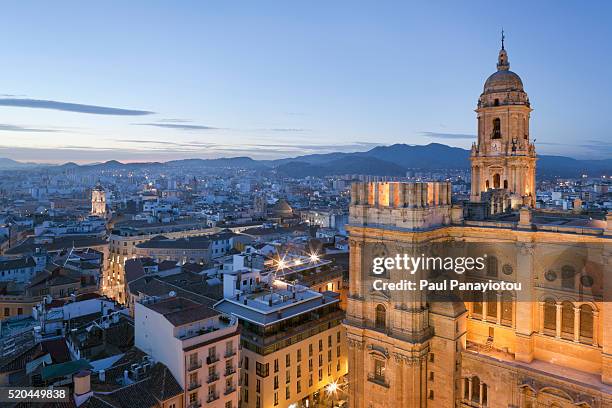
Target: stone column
499, 308
524, 304
576, 324
558, 320
470, 390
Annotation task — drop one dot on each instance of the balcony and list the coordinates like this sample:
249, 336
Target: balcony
229, 371
212, 359
229, 390
229, 353
212, 397
194, 365
192, 386
212, 378
195, 404
378, 380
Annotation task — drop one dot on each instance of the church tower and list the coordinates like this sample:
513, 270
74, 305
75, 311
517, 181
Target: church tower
98, 201
504, 157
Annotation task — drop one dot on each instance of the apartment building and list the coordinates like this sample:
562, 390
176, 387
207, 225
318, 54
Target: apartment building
126, 235
293, 344
198, 345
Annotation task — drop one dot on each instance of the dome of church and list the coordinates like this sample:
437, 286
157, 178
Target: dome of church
282, 209
502, 81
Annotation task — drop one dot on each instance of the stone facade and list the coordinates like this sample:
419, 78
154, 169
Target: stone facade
549, 345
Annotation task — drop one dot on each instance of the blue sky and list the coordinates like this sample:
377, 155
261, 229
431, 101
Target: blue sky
166, 80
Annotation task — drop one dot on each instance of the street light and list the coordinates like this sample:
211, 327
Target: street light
314, 258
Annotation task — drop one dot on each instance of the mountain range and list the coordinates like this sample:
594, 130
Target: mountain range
392, 160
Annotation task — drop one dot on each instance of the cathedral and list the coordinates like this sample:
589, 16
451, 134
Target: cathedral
547, 345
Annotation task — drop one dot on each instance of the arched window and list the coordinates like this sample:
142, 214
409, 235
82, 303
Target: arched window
487, 184
550, 314
496, 180
475, 389
496, 129
506, 317
506, 184
567, 320
381, 317
586, 322
496, 102
492, 266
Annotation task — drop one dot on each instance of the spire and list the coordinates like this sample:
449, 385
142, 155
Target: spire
502, 59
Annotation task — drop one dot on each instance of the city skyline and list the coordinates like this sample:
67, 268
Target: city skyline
276, 81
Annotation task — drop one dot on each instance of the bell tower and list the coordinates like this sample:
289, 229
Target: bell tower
503, 157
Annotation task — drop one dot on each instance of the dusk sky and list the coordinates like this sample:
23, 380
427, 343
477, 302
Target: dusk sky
154, 81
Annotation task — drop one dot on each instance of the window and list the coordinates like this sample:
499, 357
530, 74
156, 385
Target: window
338, 336
287, 376
287, 392
586, 322
228, 404
320, 360
475, 389
320, 345
379, 370
299, 387
337, 351
550, 314
299, 371
431, 394
492, 266
258, 386
329, 370
329, 341
491, 304
262, 369
310, 380
299, 356
431, 376
310, 350
275, 398
276, 365
276, 382
431, 357
288, 360
246, 396
496, 129
246, 363
320, 374
381, 317
567, 320
7, 311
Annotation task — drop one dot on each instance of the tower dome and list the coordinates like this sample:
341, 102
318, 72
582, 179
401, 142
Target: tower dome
503, 87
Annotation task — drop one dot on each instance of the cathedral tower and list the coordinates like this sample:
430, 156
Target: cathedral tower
98, 201
503, 156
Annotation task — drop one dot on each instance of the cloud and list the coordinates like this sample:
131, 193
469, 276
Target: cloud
16, 128
436, 135
287, 130
177, 126
71, 107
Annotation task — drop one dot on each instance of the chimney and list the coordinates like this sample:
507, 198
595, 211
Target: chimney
82, 387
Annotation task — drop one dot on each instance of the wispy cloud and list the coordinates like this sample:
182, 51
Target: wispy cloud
16, 128
178, 126
71, 107
437, 135
287, 130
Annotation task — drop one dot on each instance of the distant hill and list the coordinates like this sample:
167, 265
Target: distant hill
392, 160
430, 157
